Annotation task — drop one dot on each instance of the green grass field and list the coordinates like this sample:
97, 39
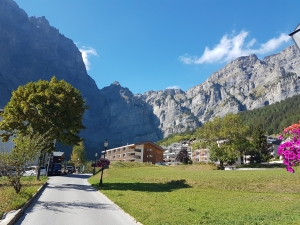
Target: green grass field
9, 200
197, 194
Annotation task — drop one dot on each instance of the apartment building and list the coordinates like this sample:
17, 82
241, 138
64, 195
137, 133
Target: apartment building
138, 152
200, 155
172, 151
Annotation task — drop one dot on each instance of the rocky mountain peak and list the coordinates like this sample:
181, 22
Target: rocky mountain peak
116, 83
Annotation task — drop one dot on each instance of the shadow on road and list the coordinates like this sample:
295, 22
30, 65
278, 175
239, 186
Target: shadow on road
81, 176
68, 187
147, 187
64, 206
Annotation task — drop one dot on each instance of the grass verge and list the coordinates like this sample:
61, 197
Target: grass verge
9, 200
197, 194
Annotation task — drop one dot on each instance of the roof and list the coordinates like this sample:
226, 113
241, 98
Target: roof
151, 143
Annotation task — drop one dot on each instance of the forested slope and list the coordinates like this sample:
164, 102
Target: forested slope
274, 118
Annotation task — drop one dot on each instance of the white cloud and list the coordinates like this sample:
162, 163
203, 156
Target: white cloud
233, 46
173, 87
86, 52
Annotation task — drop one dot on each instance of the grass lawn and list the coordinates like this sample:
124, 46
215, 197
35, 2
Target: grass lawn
195, 194
9, 200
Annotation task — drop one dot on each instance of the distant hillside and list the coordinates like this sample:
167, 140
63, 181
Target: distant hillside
274, 118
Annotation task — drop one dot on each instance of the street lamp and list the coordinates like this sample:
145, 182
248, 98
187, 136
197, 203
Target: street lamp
105, 146
95, 163
296, 36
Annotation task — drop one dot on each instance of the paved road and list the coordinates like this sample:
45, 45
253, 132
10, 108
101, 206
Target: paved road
71, 200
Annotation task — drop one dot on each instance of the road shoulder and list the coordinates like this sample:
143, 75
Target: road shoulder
13, 216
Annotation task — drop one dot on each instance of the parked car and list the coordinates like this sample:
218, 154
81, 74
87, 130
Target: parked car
32, 171
29, 171
70, 169
161, 163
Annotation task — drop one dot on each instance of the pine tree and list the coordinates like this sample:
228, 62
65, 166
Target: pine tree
260, 151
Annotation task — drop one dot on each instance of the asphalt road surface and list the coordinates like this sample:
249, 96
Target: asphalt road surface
70, 200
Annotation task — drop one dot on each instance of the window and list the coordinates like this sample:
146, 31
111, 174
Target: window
137, 150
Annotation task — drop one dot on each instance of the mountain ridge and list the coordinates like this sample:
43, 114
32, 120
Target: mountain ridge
31, 50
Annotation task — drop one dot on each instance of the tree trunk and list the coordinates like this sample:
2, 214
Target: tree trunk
38, 174
222, 165
16, 183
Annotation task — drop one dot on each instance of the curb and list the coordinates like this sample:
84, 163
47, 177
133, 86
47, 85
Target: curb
15, 215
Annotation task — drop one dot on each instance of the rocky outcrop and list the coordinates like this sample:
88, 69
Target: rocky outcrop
172, 107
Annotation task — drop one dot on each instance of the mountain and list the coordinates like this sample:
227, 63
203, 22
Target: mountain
31, 49
244, 84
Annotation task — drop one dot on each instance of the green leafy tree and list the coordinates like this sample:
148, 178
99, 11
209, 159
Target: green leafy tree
55, 107
24, 153
224, 137
244, 146
78, 156
197, 145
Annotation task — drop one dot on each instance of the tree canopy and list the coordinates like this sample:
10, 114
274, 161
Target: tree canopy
223, 137
26, 150
44, 106
78, 156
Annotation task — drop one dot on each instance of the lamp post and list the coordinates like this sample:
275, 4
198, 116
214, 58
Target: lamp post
105, 146
77, 169
296, 36
96, 154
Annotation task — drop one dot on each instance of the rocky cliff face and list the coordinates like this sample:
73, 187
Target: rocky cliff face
31, 50
243, 84
248, 83
172, 107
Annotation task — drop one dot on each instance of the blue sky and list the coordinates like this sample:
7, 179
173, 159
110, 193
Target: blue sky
158, 44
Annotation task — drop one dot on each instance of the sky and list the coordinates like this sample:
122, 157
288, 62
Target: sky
159, 44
